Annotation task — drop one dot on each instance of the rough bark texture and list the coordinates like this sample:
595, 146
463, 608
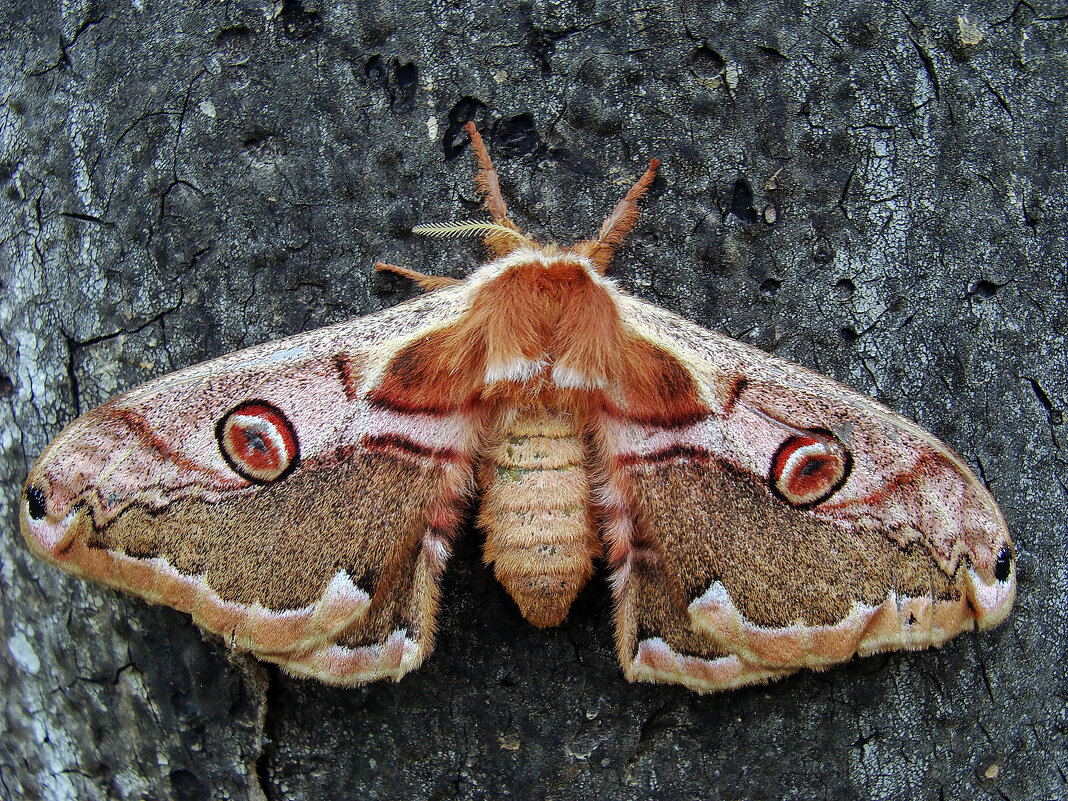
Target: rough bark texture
876, 191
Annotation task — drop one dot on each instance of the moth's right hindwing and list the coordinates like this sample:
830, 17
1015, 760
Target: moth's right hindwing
276, 494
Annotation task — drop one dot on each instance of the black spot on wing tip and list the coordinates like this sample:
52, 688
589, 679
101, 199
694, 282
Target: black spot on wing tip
1003, 566
36, 503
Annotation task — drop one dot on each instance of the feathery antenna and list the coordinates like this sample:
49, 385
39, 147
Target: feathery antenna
467, 227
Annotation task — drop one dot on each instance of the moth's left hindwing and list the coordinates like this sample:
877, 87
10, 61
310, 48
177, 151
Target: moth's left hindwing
771, 519
282, 495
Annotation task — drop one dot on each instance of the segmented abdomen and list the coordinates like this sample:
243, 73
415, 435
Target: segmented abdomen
540, 534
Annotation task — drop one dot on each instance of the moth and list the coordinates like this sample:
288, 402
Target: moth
301, 498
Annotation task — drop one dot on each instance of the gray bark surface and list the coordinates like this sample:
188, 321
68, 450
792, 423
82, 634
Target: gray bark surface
875, 191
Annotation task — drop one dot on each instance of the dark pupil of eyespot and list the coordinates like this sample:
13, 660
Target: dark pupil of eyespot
36, 504
811, 467
255, 441
1003, 565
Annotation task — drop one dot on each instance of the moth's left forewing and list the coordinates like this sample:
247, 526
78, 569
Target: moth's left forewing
268, 495
796, 522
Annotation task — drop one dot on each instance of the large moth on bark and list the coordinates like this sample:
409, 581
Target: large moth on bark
300, 498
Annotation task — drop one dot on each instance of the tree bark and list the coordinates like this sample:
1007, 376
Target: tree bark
875, 191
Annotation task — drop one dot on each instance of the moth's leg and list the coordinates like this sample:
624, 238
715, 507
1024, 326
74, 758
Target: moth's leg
618, 225
427, 282
489, 188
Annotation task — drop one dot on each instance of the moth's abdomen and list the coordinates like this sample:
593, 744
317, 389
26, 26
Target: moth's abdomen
540, 535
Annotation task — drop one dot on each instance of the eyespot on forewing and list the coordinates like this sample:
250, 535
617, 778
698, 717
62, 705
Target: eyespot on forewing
258, 442
809, 467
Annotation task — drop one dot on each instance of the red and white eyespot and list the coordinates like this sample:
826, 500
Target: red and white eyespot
258, 442
809, 468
